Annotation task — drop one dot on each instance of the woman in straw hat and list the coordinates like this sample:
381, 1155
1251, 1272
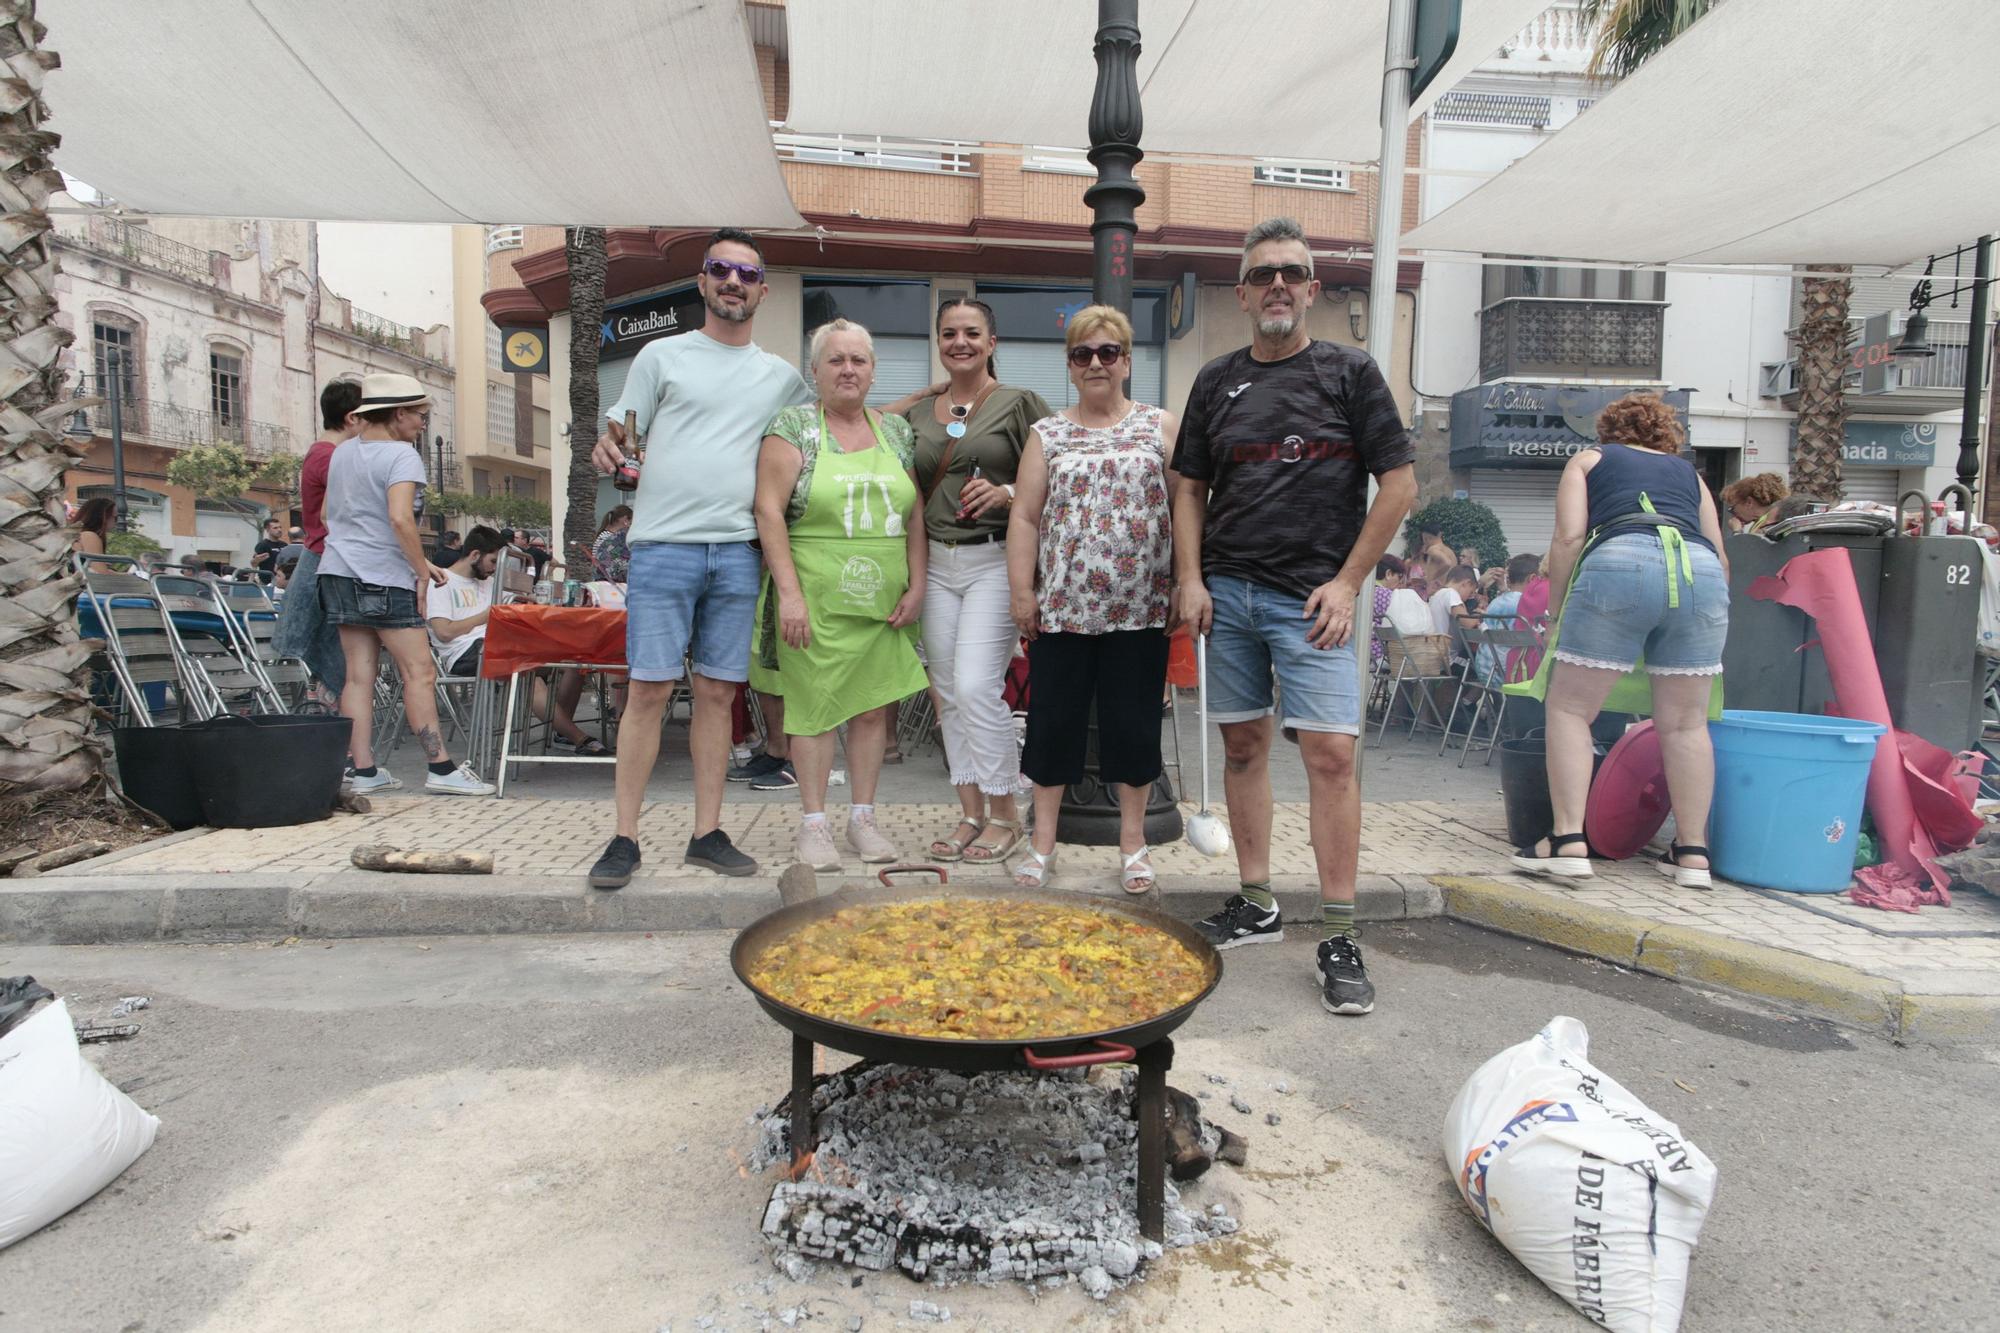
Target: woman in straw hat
373, 579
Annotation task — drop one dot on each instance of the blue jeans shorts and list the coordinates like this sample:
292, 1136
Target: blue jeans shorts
691, 601
1618, 610
1260, 632
346, 601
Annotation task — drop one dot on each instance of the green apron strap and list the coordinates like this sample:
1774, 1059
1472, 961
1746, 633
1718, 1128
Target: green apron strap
1674, 546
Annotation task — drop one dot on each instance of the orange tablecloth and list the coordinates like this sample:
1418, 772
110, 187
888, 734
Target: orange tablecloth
521, 635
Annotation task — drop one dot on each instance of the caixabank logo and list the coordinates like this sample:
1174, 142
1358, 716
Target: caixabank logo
1472, 1180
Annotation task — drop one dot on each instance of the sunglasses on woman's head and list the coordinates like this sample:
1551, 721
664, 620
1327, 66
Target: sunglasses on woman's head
1106, 355
1263, 275
720, 269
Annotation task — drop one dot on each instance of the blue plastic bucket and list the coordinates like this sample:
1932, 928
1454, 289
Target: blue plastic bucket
1788, 795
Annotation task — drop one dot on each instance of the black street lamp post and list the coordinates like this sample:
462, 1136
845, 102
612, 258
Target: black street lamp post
114, 370
1916, 345
1090, 808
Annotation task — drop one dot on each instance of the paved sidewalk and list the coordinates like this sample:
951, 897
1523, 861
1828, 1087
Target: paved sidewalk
1935, 973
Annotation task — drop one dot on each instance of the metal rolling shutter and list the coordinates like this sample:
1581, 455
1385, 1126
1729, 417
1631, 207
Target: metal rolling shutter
1525, 502
1879, 484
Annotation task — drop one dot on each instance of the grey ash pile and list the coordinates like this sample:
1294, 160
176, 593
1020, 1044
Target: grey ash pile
986, 1177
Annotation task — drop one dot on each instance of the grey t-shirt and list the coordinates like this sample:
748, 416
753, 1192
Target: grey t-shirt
703, 406
360, 544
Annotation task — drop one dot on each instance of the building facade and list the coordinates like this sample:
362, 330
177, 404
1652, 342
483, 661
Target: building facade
921, 223
504, 425
1515, 356
219, 332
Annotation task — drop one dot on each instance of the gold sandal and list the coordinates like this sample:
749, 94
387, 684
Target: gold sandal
980, 853
954, 850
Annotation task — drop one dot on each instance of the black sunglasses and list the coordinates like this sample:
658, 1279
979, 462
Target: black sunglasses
1106, 355
1263, 274
720, 269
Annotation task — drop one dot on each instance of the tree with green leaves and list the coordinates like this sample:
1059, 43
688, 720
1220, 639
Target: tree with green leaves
1631, 32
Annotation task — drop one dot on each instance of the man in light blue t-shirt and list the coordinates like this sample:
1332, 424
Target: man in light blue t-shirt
702, 401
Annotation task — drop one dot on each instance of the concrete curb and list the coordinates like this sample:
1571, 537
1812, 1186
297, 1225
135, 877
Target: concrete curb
125, 909
1793, 981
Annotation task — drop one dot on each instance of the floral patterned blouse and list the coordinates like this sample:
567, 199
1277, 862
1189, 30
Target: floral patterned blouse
613, 556
1106, 550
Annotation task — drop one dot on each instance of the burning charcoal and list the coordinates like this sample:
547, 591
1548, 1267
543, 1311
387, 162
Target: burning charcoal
1238, 1105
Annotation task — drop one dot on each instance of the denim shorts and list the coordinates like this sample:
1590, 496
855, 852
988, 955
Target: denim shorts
1618, 610
1259, 632
691, 601
347, 601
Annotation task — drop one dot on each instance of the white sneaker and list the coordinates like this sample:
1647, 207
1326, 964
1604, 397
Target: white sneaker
383, 780
814, 846
461, 781
868, 842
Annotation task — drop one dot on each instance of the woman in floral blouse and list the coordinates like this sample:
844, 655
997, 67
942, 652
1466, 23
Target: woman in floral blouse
1089, 569
610, 553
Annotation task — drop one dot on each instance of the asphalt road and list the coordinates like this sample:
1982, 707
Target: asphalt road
498, 1133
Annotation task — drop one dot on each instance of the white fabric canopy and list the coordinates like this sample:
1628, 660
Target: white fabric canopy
1788, 131
1255, 78
493, 111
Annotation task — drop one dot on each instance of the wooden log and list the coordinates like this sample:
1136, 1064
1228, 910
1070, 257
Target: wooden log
14, 856
799, 884
62, 856
423, 862
354, 803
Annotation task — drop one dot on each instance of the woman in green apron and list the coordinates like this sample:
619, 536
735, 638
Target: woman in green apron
844, 550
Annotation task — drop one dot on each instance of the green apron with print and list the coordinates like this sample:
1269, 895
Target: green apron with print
1634, 691
851, 550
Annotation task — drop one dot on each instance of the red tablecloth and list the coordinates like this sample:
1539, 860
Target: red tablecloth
521, 635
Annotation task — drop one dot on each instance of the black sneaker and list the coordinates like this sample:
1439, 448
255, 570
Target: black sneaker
1242, 922
716, 852
756, 766
614, 869
1343, 980
781, 778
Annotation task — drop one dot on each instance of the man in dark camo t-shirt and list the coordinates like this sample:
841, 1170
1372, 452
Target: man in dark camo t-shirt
1273, 539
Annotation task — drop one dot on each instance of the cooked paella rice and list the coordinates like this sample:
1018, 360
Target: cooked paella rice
980, 968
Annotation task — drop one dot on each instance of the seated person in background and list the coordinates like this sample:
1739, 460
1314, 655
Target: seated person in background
1455, 603
456, 616
1501, 612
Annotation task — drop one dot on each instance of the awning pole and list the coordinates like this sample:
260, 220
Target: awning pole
1399, 58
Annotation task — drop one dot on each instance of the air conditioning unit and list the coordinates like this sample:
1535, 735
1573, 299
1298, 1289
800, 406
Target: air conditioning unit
1777, 378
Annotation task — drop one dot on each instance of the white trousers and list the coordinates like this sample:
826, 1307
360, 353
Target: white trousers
969, 638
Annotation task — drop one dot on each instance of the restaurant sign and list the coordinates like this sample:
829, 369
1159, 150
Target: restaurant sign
1533, 425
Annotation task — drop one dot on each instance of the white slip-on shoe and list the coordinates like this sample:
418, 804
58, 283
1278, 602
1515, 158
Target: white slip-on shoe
461, 781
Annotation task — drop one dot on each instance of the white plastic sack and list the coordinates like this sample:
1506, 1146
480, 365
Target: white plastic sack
65, 1133
1598, 1196
1989, 601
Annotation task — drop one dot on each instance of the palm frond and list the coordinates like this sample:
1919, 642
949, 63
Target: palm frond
1631, 32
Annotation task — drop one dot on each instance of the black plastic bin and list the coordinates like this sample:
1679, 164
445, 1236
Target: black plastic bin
267, 771
1524, 786
153, 773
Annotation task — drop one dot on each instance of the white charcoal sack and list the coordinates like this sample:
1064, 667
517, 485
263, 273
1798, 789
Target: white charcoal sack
65, 1133
1599, 1196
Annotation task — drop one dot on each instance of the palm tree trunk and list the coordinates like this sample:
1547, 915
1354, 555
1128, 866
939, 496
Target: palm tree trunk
1823, 351
46, 738
585, 249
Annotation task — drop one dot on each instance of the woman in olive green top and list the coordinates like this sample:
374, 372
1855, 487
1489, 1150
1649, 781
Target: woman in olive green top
969, 440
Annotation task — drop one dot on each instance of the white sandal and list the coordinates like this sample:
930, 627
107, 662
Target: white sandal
1138, 868
1033, 870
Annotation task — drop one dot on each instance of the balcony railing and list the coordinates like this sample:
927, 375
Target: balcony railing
1940, 376
1552, 338
150, 421
142, 245
943, 156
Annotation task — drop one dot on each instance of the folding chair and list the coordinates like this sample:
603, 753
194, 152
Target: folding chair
257, 618
1466, 640
1407, 675
221, 664
142, 660
1503, 642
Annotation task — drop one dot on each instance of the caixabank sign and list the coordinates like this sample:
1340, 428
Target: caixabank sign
1534, 425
